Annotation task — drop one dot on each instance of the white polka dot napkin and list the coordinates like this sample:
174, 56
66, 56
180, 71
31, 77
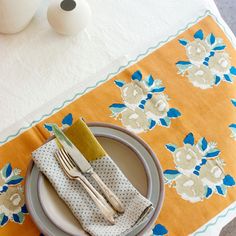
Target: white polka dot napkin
137, 207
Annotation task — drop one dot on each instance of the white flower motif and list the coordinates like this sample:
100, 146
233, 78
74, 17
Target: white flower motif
16, 171
197, 51
144, 104
157, 107
12, 201
186, 158
212, 173
201, 77
132, 93
220, 63
190, 188
135, 120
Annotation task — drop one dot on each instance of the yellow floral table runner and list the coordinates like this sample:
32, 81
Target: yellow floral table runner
181, 100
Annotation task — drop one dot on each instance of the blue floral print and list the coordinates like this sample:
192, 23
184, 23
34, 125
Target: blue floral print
12, 203
199, 170
208, 63
66, 122
144, 104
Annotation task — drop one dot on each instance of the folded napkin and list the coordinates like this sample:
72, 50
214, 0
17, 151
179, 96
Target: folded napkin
137, 207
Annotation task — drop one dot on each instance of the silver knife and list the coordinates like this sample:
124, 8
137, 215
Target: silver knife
85, 167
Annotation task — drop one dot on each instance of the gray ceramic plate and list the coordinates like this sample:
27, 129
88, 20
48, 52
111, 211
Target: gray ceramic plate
134, 158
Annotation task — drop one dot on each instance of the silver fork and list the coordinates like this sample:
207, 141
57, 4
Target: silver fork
66, 155
72, 172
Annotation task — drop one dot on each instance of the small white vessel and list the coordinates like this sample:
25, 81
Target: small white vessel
69, 17
15, 15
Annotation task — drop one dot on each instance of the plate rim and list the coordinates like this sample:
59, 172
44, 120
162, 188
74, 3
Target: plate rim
146, 146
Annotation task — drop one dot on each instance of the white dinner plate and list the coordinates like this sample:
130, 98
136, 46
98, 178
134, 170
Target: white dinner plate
133, 156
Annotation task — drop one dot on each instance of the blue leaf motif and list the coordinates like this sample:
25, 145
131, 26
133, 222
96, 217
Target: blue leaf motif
19, 217
232, 126
203, 144
48, 127
159, 230
14, 180
211, 39
199, 35
183, 66
213, 153
233, 129
217, 79
3, 219
183, 63
152, 124
228, 181
171, 147
221, 190
171, 175
184, 42
119, 83
232, 70
189, 139
171, 172
219, 47
208, 192
173, 113
117, 108
228, 78
149, 81
24, 209
7, 170
67, 120
165, 121
158, 89
233, 102
137, 75
16, 218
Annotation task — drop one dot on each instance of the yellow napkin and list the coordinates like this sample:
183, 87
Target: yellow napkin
82, 137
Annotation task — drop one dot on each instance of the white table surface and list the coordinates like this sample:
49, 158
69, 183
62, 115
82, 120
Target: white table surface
38, 64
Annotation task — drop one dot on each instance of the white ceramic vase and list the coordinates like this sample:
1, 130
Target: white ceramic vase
69, 17
15, 15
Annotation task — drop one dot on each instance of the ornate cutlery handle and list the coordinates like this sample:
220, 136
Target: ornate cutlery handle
108, 215
97, 194
111, 197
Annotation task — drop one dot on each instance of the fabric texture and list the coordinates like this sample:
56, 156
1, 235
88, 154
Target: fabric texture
79, 201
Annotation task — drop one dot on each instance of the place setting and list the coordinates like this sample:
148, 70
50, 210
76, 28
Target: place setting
92, 179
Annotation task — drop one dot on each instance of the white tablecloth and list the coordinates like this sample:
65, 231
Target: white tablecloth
38, 64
